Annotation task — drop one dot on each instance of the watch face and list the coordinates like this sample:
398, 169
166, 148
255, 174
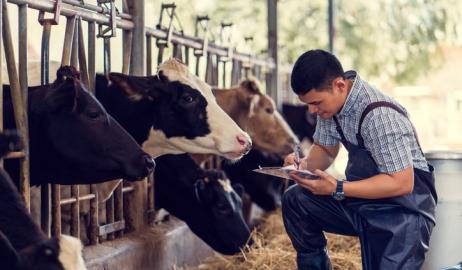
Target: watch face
339, 196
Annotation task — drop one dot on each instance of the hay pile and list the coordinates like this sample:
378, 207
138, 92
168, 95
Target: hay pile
273, 250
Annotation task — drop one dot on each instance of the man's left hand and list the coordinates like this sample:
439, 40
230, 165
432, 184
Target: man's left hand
325, 185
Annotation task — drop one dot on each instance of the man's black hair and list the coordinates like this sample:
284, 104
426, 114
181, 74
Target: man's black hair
314, 69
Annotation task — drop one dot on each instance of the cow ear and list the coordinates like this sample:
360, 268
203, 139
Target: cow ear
8, 256
63, 95
251, 86
135, 87
239, 189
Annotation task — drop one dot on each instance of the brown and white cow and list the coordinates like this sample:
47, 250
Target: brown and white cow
257, 114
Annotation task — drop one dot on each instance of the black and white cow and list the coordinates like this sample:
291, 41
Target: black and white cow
73, 140
302, 122
23, 246
265, 190
172, 112
204, 199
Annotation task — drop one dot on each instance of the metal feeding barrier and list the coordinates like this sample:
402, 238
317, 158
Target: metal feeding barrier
122, 209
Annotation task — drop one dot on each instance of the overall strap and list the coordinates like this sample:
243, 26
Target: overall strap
377, 104
339, 130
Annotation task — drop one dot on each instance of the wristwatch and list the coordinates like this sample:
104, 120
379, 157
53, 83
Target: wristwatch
338, 194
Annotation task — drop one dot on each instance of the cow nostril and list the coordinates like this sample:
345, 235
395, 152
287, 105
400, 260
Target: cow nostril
242, 140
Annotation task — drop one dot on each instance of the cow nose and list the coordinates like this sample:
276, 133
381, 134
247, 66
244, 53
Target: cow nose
246, 142
149, 163
242, 140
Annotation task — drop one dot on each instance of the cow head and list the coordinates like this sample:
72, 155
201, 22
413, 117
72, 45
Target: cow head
256, 113
221, 206
63, 253
204, 199
184, 114
80, 140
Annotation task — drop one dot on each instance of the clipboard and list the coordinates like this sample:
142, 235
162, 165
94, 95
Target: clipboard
283, 172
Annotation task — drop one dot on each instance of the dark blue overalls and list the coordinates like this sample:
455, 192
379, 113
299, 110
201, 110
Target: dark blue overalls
394, 232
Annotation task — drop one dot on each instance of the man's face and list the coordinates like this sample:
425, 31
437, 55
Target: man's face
328, 101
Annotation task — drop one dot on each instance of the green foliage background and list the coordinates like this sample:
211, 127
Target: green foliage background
397, 40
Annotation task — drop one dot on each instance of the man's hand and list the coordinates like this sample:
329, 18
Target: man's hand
325, 185
290, 160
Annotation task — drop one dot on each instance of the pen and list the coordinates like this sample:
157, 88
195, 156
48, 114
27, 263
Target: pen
297, 155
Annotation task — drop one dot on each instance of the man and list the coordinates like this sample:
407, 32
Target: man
389, 197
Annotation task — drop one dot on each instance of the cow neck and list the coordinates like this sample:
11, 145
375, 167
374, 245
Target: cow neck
41, 150
15, 221
133, 116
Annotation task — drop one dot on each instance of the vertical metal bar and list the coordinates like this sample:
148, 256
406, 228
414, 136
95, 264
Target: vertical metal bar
110, 215
55, 210
45, 53
82, 56
45, 199
273, 50
75, 209
16, 95
148, 55
91, 55
331, 25
75, 47
160, 53
150, 198
224, 74
177, 51
209, 69
136, 8
68, 37
119, 206
198, 60
107, 55
22, 40
45, 202
22, 49
94, 223
127, 51
186, 55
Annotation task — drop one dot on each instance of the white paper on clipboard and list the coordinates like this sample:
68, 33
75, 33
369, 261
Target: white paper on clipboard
283, 172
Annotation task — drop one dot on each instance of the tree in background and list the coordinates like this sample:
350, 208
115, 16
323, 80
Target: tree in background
386, 40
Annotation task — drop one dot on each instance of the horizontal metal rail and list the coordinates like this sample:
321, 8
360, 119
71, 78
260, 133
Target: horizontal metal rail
86, 12
196, 43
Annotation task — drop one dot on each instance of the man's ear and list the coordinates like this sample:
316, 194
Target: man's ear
135, 87
9, 258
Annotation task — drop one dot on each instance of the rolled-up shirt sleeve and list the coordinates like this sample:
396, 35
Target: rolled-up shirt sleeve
325, 133
388, 136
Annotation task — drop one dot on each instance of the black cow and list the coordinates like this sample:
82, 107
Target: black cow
72, 138
23, 246
265, 190
204, 199
302, 122
172, 112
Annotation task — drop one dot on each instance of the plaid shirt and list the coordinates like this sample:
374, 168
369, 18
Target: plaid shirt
388, 135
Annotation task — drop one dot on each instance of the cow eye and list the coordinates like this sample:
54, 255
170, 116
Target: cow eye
93, 115
188, 98
269, 110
